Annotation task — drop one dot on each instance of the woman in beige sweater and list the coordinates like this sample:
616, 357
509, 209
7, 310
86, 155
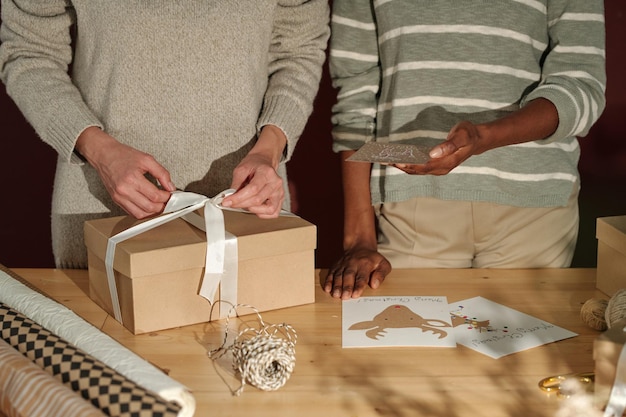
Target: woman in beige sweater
194, 94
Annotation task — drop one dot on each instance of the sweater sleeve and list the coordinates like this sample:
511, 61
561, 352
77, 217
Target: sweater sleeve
355, 72
573, 73
296, 56
35, 54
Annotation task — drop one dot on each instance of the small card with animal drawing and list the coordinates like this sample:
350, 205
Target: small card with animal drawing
397, 321
391, 153
497, 330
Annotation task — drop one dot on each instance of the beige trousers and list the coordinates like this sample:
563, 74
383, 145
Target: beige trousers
432, 233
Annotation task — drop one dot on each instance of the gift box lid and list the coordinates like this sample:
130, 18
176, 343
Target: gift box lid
177, 245
612, 231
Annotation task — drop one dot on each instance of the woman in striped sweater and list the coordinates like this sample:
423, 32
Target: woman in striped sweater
498, 91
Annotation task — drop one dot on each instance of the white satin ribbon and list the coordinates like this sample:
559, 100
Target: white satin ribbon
221, 253
617, 399
229, 259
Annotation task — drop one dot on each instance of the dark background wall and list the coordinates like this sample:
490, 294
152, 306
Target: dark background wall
27, 168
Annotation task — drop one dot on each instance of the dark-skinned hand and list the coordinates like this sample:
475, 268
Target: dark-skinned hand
356, 269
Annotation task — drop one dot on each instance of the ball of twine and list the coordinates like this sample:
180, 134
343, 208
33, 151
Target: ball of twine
616, 308
264, 357
592, 313
264, 361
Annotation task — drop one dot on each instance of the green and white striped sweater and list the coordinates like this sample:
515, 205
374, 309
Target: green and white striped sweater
408, 70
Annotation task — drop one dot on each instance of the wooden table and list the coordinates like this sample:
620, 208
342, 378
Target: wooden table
330, 381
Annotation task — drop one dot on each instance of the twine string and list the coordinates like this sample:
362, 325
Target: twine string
601, 314
264, 357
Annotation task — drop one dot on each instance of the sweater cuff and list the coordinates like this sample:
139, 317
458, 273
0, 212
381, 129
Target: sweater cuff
286, 114
62, 133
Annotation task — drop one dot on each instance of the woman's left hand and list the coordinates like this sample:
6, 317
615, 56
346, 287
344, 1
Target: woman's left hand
259, 187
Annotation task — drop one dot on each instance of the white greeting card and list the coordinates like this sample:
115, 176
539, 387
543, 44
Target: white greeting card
397, 321
496, 330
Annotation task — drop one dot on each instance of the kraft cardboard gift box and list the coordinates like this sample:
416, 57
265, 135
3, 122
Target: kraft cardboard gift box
159, 272
611, 268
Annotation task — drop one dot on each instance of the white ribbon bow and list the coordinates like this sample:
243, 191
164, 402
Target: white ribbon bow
617, 398
221, 252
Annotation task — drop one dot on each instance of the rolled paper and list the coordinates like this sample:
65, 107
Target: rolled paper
61, 321
101, 385
28, 390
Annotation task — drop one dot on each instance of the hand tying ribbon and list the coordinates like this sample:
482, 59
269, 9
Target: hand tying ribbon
221, 252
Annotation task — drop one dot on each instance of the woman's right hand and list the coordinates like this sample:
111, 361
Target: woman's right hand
357, 268
122, 170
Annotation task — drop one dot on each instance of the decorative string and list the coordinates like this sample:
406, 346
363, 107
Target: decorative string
592, 313
616, 308
601, 314
264, 357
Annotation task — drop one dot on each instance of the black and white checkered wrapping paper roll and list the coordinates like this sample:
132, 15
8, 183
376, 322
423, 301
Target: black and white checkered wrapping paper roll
105, 388
19, 295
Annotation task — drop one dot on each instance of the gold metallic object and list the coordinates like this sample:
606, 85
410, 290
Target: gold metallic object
554, 384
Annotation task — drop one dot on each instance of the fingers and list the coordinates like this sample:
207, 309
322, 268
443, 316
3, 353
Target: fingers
261, 192
161, 174
123, 170
439, 166
345, 284
126, 181
463, 141
443, 149
349, 281
140, 210
413, 169
263, 200
450, 157
139, 197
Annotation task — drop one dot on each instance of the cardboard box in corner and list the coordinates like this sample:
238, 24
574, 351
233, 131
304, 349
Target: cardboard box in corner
611, 268
158, 273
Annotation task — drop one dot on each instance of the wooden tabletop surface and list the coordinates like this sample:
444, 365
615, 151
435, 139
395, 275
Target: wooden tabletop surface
330, 381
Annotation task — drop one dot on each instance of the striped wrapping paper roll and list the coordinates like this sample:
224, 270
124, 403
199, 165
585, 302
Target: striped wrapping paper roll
28, 390
61, 322
96, 382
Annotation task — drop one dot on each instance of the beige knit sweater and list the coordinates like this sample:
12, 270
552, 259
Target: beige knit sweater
189, 81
